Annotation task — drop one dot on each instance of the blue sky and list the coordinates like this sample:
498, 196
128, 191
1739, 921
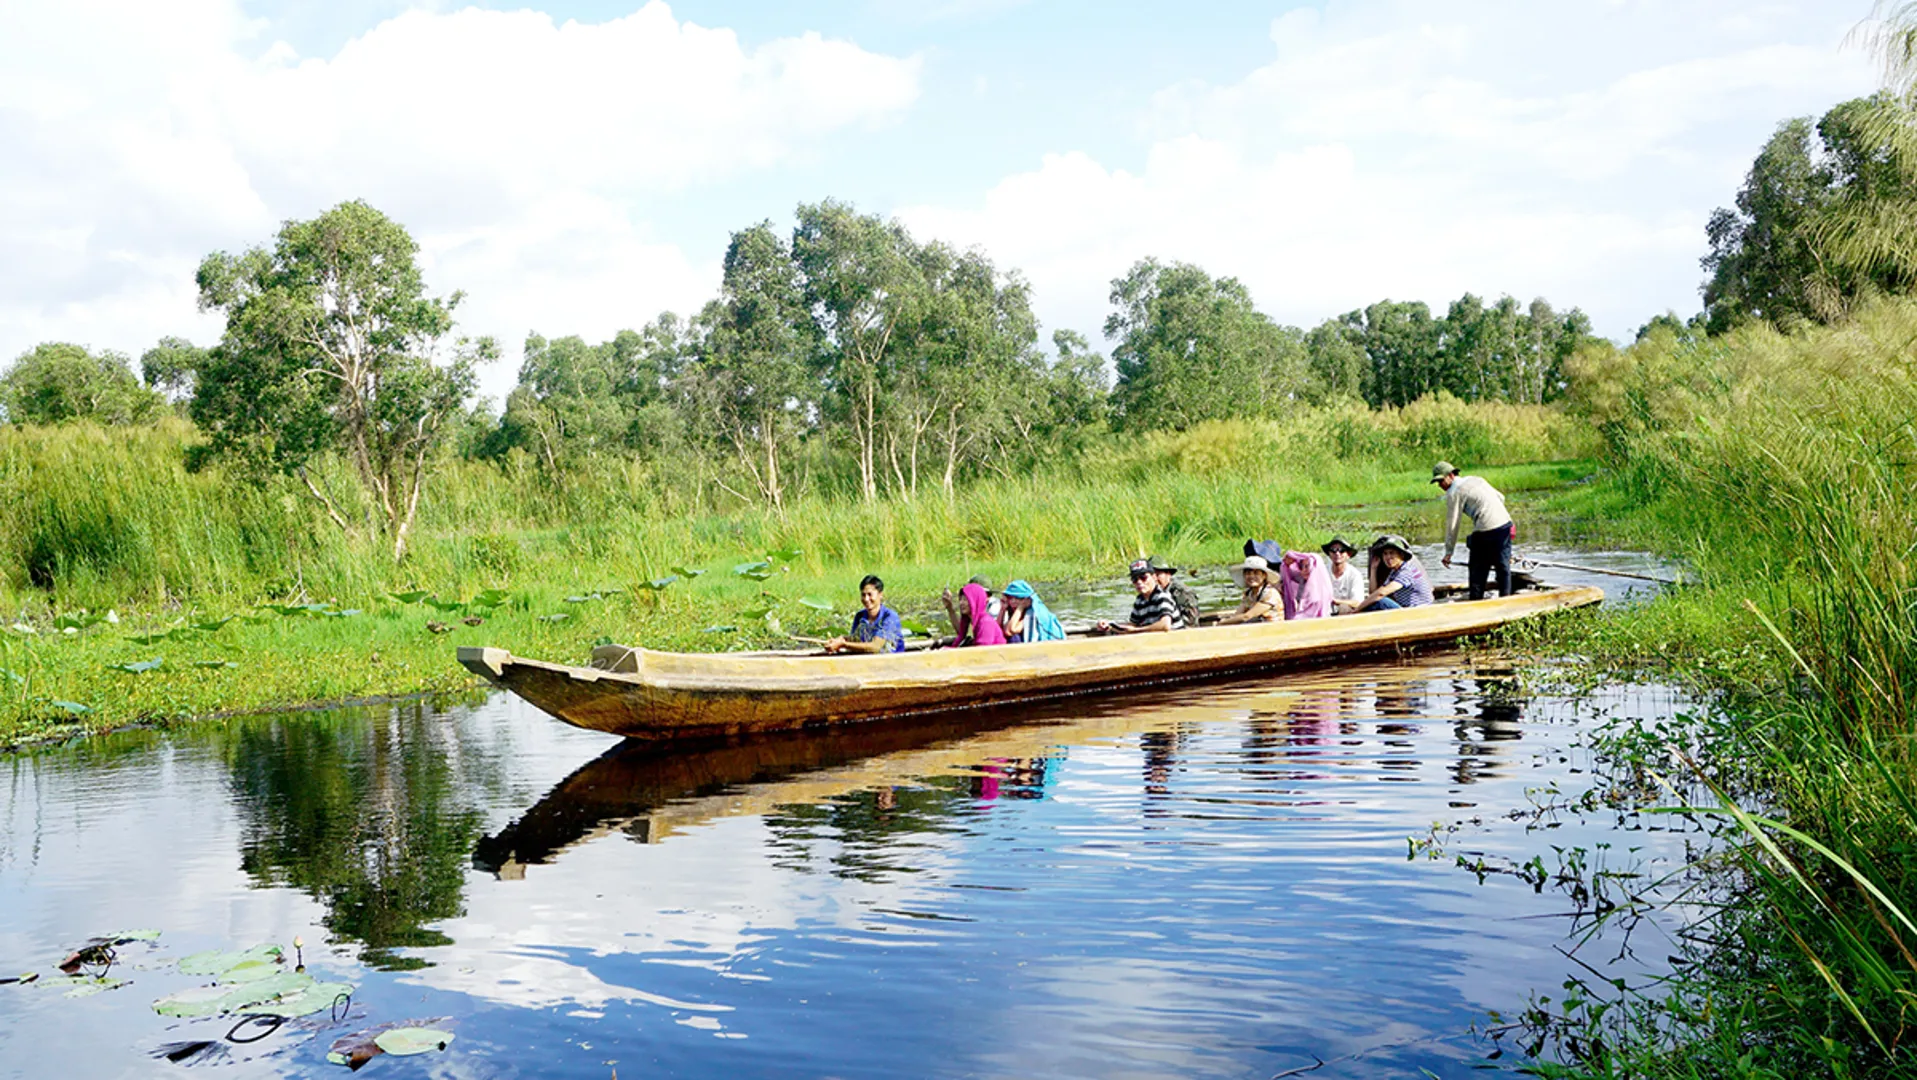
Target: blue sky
577, 168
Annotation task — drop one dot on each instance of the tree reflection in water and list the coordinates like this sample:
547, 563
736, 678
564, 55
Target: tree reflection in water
371, 817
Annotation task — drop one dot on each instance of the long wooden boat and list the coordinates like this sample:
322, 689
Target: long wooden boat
660, 696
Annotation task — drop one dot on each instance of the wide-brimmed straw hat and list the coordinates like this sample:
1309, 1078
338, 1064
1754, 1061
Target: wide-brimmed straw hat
1252, 562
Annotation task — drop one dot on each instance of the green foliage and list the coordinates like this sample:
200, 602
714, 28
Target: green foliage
329, 346
56, 382
1192, 349
1822, 221
1784, 466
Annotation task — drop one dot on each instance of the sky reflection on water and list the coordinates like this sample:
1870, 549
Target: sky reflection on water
1199, 881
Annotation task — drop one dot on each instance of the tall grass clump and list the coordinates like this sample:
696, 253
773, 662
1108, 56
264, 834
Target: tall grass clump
1790, 461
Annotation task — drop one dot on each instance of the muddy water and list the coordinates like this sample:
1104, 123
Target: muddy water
1217, 880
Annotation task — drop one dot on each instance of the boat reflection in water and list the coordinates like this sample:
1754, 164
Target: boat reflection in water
1295, 730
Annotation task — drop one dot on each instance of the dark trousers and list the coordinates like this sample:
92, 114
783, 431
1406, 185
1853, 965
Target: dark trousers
1490, 551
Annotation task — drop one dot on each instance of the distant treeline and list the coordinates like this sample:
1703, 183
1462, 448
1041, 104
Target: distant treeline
847, 356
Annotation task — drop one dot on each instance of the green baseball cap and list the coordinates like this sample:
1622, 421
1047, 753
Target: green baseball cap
1441, 470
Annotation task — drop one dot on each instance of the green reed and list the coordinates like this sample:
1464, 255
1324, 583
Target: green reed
1785, 468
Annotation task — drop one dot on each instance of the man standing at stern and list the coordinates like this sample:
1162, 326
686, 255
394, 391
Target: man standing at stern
1489, 545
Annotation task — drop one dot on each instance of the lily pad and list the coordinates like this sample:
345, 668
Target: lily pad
97, 986
139, 667
216, 962
402, 1042
318, 997
222, 998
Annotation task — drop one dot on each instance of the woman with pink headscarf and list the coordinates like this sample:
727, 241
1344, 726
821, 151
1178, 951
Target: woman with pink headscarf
975, 625
1305, 582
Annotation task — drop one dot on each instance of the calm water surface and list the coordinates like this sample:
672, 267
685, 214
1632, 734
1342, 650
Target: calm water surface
1200, 881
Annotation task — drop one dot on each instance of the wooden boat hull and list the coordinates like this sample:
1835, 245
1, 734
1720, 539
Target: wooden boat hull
642, 694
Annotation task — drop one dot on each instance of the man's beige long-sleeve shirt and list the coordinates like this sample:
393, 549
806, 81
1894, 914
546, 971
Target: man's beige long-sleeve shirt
1475, 496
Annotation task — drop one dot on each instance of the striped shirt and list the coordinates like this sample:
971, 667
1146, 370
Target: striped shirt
1148, 610
1414, 590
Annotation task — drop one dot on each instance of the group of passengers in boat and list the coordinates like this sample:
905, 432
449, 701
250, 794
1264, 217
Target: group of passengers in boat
1302, 585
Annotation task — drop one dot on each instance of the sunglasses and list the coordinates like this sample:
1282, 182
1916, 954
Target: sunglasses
1141, 575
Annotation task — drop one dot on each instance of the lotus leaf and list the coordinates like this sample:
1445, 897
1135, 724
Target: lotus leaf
785, 555
346, 614
401, 1042
659, 583
97, 986
722, 629
215, 664
748, 569
216, 962
413, 597
558, 616
139, 667
815, 603
22, 628
446, 605
251, 971
916, 627
212, 1000
73, 707
685, 572
491, 598
209, 627
318, 997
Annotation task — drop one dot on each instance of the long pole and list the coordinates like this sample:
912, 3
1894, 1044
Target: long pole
1594, 570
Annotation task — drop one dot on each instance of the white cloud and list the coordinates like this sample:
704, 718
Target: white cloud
521, 152
1394, 149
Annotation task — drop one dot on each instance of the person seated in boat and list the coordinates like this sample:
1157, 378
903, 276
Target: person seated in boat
974, 625
1305, 583
1182, 596
1260, 602
1400, 578
993, 605
1348, 585
1027, 619
1153, 609
875, 627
